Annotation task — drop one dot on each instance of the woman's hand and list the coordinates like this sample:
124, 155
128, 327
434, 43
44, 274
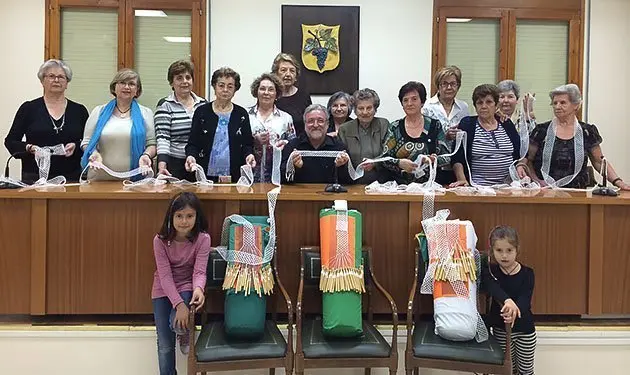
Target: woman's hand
341, 159
96, 158
162, 169
459, 183
429, 159
451, 133
281, 143
250, 160
262, 137
181, 316
69, 149
407, 165
521, 170
190, 164
145, 161
197, 299
367, 166
622, 185
31, 148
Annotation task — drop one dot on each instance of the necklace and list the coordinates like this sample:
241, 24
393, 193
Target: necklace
121, 111
59, 128
509, 273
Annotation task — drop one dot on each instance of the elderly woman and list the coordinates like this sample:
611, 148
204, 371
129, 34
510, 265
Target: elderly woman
49, 120
364, 136
448, 110
221, 137
269, 124
412, 136
509, 94
339, 109
492, 145
120, 134
558, 148
173, 120
293, 100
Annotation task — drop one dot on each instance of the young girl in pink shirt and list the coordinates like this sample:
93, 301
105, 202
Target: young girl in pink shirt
181, 251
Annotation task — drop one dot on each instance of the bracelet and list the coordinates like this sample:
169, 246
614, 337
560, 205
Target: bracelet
615, 180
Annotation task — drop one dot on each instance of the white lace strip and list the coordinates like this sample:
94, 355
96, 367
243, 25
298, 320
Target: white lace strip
578, 148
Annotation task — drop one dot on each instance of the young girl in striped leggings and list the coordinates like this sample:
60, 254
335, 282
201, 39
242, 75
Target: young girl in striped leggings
511, 285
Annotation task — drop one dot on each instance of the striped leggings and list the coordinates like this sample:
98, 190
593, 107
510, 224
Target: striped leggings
523, 349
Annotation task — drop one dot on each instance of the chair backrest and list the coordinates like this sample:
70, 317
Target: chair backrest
312, 264
215, 272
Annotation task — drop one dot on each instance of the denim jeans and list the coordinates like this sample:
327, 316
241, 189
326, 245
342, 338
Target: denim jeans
164, 315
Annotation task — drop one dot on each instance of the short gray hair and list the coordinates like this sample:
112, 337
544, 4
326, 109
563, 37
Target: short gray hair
572, 90
509, 85
340, 95
54, 63
314, 107
366, 94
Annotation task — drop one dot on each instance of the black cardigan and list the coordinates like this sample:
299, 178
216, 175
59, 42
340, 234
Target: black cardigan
33, 121
468, 124
204, 127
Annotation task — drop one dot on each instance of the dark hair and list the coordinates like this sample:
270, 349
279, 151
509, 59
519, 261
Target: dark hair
226, 72
504, 232
413, 86
180, 201
179, 67
484, 90
266, 76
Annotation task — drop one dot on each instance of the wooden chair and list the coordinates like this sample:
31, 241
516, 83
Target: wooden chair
216, 352
313, 350
425, 349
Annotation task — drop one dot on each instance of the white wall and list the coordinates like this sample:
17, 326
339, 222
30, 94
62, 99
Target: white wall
394, 43
609, 79
22, 46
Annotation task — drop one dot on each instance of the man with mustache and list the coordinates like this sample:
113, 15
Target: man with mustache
310, 169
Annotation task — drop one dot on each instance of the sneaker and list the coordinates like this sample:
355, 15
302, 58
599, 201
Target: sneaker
184, 343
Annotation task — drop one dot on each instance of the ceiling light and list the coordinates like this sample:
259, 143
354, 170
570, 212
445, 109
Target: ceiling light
149, 13
458, 20
178, 39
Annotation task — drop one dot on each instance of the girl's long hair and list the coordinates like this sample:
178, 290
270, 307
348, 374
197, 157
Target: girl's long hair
180, 201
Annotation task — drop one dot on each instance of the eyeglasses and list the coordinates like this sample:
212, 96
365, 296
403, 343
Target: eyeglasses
130, 84
445, 85
53, 77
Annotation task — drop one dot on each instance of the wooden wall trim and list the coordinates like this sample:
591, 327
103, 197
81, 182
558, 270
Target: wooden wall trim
39, 225
555, 4
596, 260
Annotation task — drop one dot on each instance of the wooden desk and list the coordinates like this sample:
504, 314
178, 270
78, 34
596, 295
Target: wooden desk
87, 249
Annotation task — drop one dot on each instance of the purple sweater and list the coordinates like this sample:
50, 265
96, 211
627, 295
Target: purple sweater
181, 266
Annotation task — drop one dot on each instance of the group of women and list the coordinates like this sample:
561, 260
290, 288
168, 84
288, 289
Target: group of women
221, 136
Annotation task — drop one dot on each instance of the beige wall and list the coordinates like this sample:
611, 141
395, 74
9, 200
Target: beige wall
22, 46
382, 64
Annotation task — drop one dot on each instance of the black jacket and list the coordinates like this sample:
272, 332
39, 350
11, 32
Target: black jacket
204, 127
468, 124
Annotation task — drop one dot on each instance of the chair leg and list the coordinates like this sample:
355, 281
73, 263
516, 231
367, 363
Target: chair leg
368, 371
416, 371
272, 371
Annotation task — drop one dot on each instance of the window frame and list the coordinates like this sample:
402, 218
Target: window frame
509, 11
126, 17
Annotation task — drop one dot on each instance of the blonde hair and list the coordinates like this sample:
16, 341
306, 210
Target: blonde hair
285, 57
125, 75
448, 71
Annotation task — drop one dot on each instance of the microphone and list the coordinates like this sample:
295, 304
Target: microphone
603, 189
335, 187
7, 184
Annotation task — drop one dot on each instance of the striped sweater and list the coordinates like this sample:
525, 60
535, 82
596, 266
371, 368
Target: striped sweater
172, 127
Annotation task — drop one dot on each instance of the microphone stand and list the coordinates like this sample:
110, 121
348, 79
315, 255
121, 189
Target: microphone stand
335, 187
7, 184
603, 189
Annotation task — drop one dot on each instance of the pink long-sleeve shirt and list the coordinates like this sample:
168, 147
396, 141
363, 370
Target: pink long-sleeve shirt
181, 267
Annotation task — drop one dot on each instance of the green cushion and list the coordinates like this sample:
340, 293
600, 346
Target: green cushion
342, 314
244, 315
369, 345
426, 344
214, 345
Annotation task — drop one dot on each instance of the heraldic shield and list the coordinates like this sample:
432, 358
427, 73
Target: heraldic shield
320, 47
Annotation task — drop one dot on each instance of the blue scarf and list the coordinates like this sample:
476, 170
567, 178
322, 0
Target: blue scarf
138, 133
